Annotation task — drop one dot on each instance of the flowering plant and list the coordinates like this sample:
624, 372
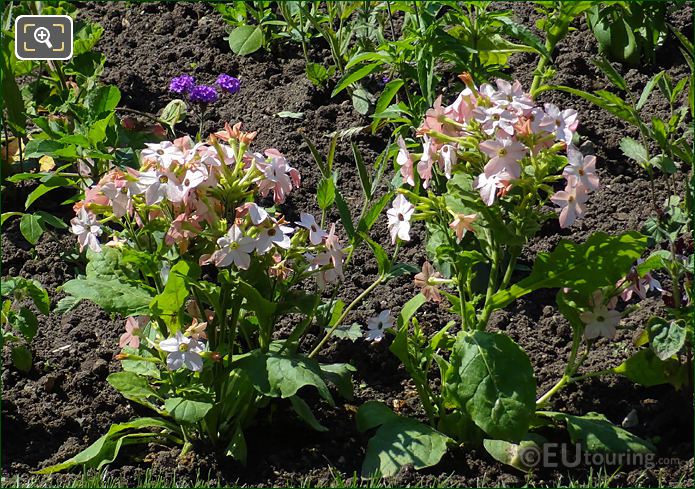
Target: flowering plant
489, 165
217, 291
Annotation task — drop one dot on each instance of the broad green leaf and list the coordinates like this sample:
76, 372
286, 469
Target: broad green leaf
17, 286
655, 261
382, 258
600, 261
354, 76
186, 411
104, 448
45, 187
350, 332
132, 386
645, 368
387, 95
512, 454
491, 379
666, 338
111, 295
410, 308
372, 414
304, 412
102, 100
172, 299
403, 441
264, 309
634, 150
30, 226
361, 100
237, 446
51, 220
6, 215
21, 358
598, 435
340, 375
283, 375
27, 324
325, 194
246, 39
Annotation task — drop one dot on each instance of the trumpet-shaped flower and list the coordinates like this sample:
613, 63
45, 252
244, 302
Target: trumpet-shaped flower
183, 352
504, 155
163, 154
424, 166
448, 159
461, 224
512, 96
279, 177
376, 326
399, 218
423, 281
601, 321
87, 228
160, 186
133, 326
405, 161
234, 248
581, 169
277, 234
316, 234
565, 122
571, 201
496, 120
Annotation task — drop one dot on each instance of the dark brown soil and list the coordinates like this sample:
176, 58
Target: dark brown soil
64, 403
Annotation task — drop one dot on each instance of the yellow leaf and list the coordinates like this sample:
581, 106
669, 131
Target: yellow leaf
46, 163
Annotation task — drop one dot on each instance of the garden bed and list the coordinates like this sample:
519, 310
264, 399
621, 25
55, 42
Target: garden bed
64, 403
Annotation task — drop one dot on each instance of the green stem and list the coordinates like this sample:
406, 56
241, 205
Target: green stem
347, 310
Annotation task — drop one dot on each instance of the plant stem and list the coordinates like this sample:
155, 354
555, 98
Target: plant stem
347, 310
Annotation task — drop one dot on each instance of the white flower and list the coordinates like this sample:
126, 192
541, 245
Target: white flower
449, 158
277, 235
316, 234
581, 169
164, 153
120, 193
258, 214
565, 122
600, 322
399, 218
161, 185
234, 247
86, 226
377, 325
183, 352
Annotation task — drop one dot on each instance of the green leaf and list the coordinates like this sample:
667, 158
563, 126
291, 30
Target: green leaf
610, 72
325, 194
648, 90
97, 131
354, 76
372, 414
31, 228
382, 258
666, 338
11, 96
598, 435
410, 308
606, 100
21, 358
372, 215
317, 74
511, 454
174, 112
6, 215
304, 411
664, 163
361, 100
646, 369
387, 95
27, 324
106, 448
403, 441
172, 299
237, 446
365, 180
340, 375
264, 309
111, 295
282, 375
102, 100
15, 286
345, 216
51, 220
634, 150
52, 183
600, 261
491, 379
246, 39
133, 387
350, 332
186, 411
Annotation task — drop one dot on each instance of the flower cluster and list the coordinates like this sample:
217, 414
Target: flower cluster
185, 85
503, 139
201, 197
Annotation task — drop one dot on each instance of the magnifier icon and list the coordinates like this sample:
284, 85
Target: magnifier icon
43, 36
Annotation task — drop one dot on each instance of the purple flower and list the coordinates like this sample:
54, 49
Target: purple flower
182, 84
228, 83
203, 94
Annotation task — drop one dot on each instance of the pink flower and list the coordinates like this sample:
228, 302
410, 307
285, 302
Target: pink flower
256, 213
565, 122
405, 161
461, 224
87, 228
160, 186
181, 230
399, 218
316, 234
164, 154
334, 251
433, 118
571, 201
462, 108
424, 166
133, 326
581, 169
512, 96
120, 191
504, 156
640, 285
424, 280
234, 248
496, 120
279, 177
489, 186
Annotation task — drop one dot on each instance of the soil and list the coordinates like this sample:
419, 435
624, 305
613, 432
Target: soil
64, 403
